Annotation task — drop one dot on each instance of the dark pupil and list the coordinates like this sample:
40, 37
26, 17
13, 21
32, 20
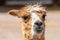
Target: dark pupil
44, 17
25, 17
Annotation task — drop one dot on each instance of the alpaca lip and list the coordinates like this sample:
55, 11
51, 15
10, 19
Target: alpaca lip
38, 29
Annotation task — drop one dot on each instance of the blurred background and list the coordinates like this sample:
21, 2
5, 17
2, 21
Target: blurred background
10, 26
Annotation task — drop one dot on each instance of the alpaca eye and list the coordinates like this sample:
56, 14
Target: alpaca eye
44, 16
25, 17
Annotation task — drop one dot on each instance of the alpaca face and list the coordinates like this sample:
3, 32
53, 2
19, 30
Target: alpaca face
37, 19
33, 19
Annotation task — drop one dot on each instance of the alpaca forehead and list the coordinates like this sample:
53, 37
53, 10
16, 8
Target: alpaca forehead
35, 8
32, 10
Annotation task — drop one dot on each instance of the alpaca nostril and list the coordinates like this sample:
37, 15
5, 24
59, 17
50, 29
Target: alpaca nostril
38, 23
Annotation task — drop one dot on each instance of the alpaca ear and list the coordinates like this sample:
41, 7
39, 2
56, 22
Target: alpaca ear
13, 12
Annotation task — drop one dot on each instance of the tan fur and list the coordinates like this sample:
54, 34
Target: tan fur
26, 25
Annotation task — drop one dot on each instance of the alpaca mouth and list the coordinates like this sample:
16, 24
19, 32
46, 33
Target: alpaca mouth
38, 29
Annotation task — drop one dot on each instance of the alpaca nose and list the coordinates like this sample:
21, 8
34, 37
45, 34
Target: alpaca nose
38, 26
38, 23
